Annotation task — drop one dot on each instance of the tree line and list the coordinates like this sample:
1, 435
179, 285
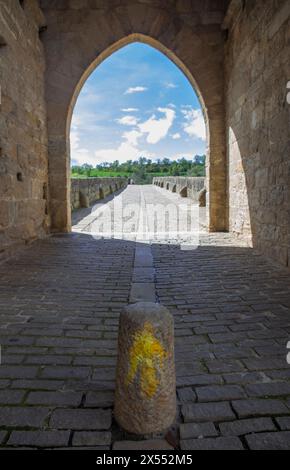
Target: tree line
143, 169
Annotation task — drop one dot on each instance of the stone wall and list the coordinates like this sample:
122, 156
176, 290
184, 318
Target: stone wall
257, 70
86, 191
23, 138
184, 186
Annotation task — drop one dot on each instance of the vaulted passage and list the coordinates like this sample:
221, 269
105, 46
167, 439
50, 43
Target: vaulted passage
61, 297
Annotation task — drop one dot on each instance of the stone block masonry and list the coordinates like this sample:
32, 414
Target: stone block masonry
191, 187
23, 137
257, 72
86, 191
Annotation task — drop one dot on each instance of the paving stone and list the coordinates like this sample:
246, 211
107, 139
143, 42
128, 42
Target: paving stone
54, 398
219, 443
39, 438
104, 374
11, 397
18, 372
219, 393
58, 372
142, 292
23, 417
199, 380
245, 378
284, 423
84, 439
203, 412
86, 419
99, 399
3, 435
4, 383
268, 389
195, 430
246, 426
142, 445
266, 363
269, 441
251, 407
220, 367
40, 384
48, 360
186, 395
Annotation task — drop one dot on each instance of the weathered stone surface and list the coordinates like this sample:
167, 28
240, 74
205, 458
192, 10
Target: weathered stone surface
82, 438
248, 408
218, 393
247, 426
142, 445
204, 412
81, 419
23, 134
23, 417
219, 443
197, 430
257, 70
39, 438
178, 184
142, 292
269, 441
145, 399
86, 191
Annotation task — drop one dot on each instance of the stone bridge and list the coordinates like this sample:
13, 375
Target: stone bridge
61, 297
85, 191
192, 187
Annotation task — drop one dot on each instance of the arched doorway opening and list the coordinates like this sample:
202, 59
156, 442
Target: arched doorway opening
59, 145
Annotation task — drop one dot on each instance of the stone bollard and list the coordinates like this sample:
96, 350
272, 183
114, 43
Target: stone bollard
145, 398
202, 198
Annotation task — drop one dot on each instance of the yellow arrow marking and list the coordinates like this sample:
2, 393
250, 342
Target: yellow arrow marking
147, 356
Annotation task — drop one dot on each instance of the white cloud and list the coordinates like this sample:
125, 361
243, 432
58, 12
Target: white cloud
79, 155
129, 110
176, 136
129, 148
136, 89
132, 137
156, 129
194, 123
125, 151
128, 121
170, 85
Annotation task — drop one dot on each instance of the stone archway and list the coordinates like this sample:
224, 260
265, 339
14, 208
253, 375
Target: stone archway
78, 39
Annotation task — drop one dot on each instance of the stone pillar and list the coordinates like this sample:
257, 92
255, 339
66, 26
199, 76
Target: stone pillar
145, 398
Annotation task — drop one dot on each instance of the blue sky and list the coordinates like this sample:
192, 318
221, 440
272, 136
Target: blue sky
136, 103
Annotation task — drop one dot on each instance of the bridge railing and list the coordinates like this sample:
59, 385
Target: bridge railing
192, 187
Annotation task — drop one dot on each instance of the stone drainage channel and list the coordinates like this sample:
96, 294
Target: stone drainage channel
143, 277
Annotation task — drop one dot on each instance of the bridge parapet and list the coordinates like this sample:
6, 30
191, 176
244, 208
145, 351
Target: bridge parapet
192, 187
86, 191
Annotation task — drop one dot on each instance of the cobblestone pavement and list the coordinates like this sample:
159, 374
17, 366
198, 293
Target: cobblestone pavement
59, 305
